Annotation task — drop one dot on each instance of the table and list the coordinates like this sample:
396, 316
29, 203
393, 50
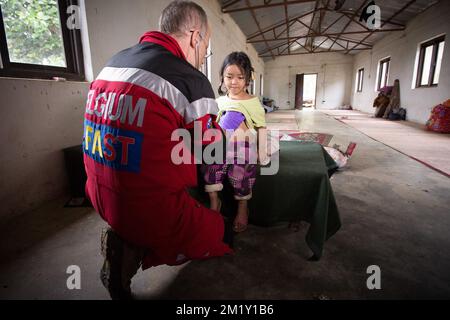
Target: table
300, 191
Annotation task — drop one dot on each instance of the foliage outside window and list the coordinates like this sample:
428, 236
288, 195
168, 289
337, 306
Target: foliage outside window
36, 39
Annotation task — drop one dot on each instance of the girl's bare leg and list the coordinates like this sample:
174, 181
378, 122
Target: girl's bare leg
214, 200
241, 220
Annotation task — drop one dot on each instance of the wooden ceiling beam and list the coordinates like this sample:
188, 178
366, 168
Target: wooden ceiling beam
229, 4
351, 20
326, 38
269, 5
383, 24
323, 51
311, 40
287, 23
327, 34
278, 24
382, 21
259, 27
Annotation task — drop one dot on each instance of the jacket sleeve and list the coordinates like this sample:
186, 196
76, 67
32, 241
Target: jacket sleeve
202, 113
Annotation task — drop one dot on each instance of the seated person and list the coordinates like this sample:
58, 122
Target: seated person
238, 112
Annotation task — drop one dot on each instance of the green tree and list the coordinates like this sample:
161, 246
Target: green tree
33, 31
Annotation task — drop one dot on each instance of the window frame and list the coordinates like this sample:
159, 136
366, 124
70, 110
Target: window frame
261, 84
254, 87
380, 72
251, 88
360, 80
423, 46
73, 51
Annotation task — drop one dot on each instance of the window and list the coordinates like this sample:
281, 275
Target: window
40, 39
261, 85
252, 86
430, 59
383, 73
359, 80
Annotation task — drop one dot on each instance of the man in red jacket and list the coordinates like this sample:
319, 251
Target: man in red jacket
138, 100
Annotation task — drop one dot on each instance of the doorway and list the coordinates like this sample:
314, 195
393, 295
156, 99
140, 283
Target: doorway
305, 90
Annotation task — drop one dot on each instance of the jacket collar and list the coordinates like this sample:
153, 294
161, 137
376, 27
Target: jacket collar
164, 40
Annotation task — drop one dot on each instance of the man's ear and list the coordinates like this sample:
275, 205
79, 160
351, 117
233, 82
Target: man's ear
194, 39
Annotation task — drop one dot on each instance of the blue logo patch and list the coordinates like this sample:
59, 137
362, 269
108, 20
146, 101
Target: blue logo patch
113, 147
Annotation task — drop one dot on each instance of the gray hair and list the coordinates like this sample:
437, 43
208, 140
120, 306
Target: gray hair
182, 16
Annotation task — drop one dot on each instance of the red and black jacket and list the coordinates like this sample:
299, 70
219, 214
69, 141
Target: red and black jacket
138, 100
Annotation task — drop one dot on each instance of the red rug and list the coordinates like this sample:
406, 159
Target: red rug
324, 139
321, 138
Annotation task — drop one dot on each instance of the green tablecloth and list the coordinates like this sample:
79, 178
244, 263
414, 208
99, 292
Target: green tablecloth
300, 191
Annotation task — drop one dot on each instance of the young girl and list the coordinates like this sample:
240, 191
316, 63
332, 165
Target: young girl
240, 111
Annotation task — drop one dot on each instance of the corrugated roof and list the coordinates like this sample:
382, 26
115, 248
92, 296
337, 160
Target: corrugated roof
288, 27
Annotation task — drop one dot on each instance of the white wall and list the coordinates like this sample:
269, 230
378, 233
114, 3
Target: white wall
334, 78
41, 118
226, 38
402, 47
108, 35
114, 25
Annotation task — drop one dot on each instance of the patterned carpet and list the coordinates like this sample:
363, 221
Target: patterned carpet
284, 121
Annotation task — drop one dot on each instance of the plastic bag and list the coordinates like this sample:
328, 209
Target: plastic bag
338, 157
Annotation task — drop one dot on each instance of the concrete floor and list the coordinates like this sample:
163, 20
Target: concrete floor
429, 147
394, 211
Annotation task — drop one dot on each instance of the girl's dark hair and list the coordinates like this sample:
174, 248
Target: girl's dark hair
241, 60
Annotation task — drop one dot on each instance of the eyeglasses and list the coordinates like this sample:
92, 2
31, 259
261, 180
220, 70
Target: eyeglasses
209, 54
202, 39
